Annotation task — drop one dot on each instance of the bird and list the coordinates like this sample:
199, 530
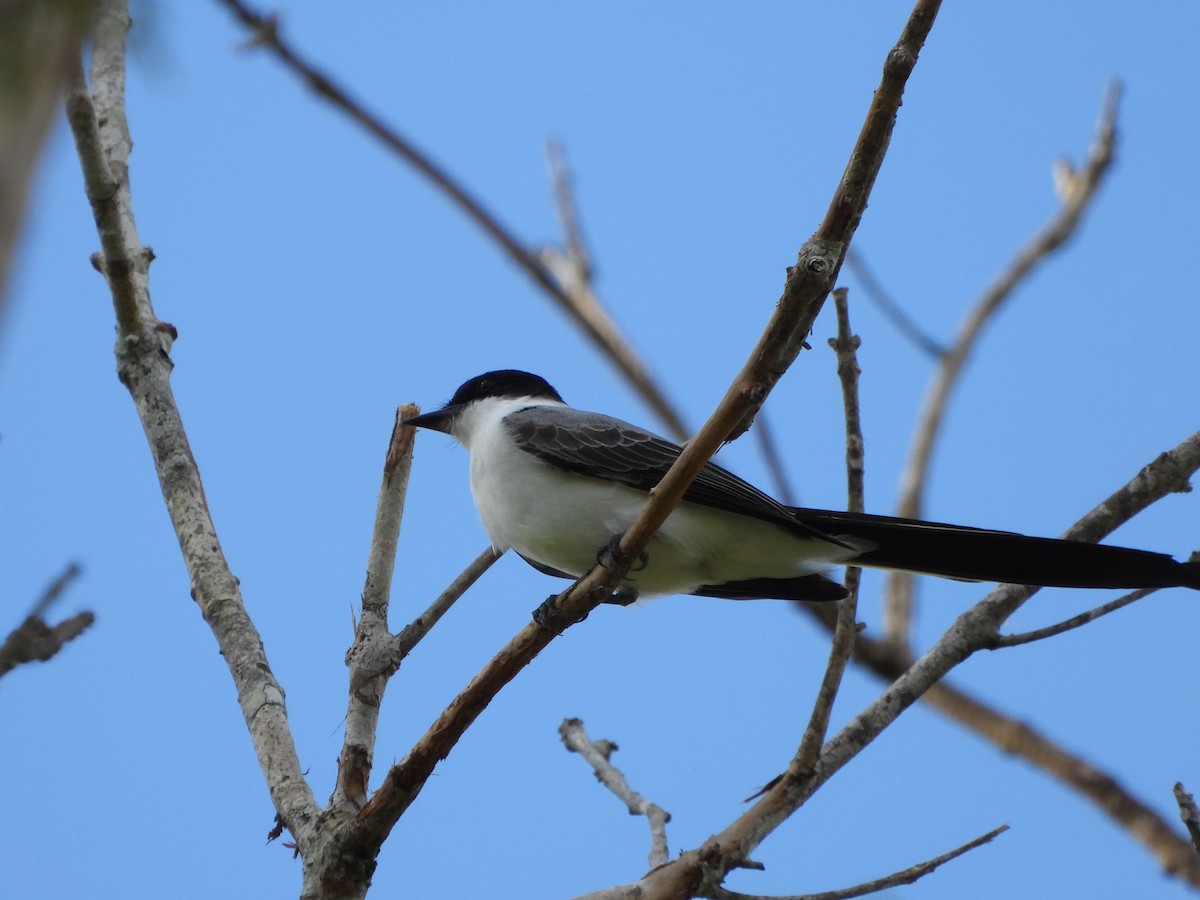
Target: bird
559, 485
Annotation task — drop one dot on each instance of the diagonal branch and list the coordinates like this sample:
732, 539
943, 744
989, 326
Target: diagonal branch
805, 289
807, 285
1189, 814
597, 754
890, 308
905, 876
1167, 474
415, 631
54, 590
34, 640
971, 632
1040, 634
590, 317
98, 123
1079, 191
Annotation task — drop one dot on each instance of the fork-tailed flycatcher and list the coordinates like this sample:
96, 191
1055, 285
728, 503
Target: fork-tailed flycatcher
556, 484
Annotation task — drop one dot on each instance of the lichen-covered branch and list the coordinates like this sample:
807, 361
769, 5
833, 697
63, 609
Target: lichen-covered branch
97, 117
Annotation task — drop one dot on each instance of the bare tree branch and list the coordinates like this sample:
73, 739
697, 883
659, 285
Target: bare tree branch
35, 641
890, 308
568, 211
1189, 814
970, 632
589, 316
1167, 474
846, 346
371, 658
572, 272
98, 123
1040, 634
144, 366
807, 285
414, 631
1017, 738
805, 289
769, 448
1076, 200
904, 876
54, 590
597, 755
405, 780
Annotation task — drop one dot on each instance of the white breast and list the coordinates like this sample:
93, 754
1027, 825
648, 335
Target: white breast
563, 520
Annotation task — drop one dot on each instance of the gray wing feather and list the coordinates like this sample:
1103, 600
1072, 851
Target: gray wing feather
603, 447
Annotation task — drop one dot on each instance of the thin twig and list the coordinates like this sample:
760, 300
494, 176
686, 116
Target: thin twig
54, 590
567, 210
1040, 634
1189, 814
377, 654
769, 448
904, 876
371, 659
879, 295
1018, 739
1076, 200
591, 317
597, 756
573, 273
846, 346
414, 631
35, 641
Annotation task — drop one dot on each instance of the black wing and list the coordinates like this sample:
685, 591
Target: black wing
603, 447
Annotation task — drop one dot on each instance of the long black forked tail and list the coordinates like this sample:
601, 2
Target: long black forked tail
976, 554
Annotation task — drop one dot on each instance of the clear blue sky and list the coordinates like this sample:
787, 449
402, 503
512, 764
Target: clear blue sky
316, 284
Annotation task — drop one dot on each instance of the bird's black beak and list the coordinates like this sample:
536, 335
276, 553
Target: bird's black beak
438, 420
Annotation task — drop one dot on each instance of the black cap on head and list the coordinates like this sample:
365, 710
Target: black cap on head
501, 383
504, 383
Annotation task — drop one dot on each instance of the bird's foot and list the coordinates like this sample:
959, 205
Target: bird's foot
612, 558
549, 618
